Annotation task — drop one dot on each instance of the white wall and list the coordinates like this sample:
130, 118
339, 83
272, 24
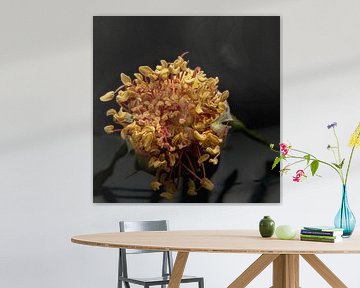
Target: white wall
46, 142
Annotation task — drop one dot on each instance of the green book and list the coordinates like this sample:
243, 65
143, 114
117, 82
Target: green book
325, 240
319, 236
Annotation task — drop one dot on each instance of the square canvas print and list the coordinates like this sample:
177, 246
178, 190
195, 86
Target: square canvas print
184, 109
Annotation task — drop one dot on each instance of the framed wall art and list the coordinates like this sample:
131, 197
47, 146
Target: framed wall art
184, 109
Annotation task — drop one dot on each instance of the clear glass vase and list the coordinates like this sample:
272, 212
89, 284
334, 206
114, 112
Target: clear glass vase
345, 219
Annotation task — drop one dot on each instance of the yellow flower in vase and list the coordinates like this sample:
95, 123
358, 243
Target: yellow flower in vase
355, 137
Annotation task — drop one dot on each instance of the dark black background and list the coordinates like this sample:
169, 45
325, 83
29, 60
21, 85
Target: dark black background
244, 52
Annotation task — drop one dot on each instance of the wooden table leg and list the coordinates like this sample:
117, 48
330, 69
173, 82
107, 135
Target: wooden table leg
324, 271
286, 271
253, 270
178, 269
293, 264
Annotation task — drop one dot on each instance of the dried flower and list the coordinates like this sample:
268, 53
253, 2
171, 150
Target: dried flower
176, 117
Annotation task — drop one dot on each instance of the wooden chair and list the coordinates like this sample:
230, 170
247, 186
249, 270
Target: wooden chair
167, 262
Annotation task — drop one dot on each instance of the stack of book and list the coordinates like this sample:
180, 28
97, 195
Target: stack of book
321, 234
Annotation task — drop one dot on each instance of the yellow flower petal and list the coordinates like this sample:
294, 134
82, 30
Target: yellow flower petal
159, 163
119, 117
203, 158
167, 195
108, 96
178, 62
184, 66
202, 78
164, 64
138, 76
198, 109
191, 188
146, 71
224, 95
198, 136
149, 129
196, 84
205, 95
170, 187
155, 185
129, 129
212, 140
110, 112
199, 126
174, 70
189, 80
147, 140
213, 151
125, 79
109, 129
123, 96
172, 159
355, 138
153, 77
207, 184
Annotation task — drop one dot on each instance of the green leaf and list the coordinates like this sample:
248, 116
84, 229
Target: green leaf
307, 157
342, 163
336, 165
339, 166
271, 146
276, 162
314, 166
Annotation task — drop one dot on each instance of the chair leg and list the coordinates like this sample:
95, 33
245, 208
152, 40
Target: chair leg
120, 273
201, 283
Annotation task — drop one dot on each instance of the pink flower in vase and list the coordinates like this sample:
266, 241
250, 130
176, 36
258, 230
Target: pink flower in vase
284, 149
300, 174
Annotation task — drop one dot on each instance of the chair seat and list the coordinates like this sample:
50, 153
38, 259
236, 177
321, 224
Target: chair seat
158, 280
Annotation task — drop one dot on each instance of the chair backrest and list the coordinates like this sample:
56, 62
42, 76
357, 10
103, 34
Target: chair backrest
135, 226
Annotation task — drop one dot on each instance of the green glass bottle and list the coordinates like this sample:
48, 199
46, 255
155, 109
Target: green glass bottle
267, 227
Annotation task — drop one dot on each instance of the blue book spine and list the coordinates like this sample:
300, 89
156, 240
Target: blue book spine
319, 233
